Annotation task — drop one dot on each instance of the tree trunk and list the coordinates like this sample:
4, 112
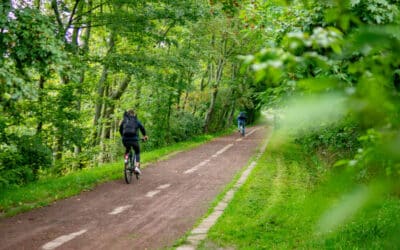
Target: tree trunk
185, 100
38, 4
59, 148
186, 94
85, 49
109, 111
138, 94
234, 96
102, 129
214, 95
232, 113
40, 100
206, 73
217, 80
107, 117
170, 102
100, 95
210, 111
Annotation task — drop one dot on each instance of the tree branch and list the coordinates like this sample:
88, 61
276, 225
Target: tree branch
78, 17
72, 14
57, 14
122, 87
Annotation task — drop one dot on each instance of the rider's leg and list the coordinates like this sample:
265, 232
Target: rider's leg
127, 149
136, 147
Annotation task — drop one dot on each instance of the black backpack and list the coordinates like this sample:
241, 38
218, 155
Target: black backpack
130, 126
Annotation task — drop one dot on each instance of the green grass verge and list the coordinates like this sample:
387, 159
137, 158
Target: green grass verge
291, 201
48, 190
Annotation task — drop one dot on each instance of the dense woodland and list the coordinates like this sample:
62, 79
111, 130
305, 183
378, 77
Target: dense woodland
69, 69
330, 70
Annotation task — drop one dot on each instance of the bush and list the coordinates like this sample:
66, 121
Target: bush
21, 158
185, 125
340, 138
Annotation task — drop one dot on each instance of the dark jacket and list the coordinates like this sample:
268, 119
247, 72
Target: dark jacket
133, 138
242, 116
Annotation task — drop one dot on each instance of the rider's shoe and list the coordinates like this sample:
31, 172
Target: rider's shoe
126, 158
137, 170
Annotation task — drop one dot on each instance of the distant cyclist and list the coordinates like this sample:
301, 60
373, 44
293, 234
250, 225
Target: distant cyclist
241, 119
129, 130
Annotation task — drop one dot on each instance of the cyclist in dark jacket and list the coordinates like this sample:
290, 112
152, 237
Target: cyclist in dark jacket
132, 140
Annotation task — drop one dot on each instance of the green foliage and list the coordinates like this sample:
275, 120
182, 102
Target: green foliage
184, 126
338, 140
376, 11
358, 63
31, 53
376, 157
21, 158
29, 41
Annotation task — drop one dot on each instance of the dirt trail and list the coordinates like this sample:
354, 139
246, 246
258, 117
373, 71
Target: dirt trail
150, 214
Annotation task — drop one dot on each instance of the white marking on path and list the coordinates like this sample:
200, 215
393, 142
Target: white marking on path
164, 186
201, 164
191, 170
61, 240
254, 130
222, 150
119, 210
151, 194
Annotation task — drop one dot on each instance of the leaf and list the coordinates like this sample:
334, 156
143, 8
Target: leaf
340, 163
336, 48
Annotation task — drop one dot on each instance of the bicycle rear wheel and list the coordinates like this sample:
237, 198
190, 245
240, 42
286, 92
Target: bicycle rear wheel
242, 131
128, 172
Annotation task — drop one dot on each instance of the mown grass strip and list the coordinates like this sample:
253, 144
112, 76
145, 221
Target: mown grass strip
282, 203
48, 190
